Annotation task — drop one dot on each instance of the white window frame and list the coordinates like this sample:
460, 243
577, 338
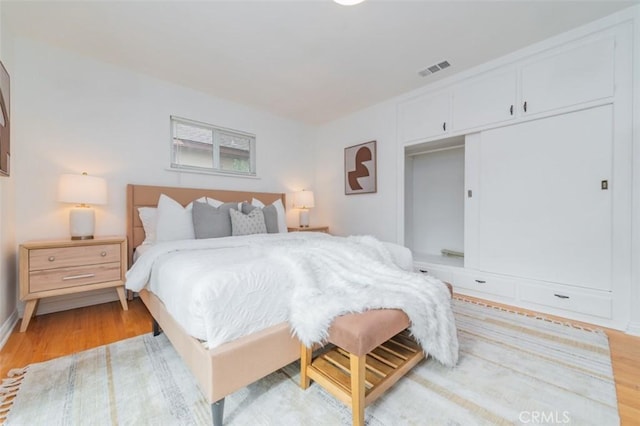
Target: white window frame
216, 131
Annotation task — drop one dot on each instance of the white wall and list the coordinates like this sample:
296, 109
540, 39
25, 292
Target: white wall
372, 214
75, 114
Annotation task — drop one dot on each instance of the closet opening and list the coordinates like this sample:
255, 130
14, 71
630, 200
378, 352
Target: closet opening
434, 201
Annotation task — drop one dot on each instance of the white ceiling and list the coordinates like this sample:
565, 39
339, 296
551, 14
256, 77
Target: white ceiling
310, 60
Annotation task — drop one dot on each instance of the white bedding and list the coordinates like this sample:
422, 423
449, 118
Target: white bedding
223, 288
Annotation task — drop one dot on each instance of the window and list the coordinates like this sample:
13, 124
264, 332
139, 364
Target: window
203, 147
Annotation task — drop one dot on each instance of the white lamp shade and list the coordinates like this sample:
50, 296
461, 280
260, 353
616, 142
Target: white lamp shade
82, 189
303, 200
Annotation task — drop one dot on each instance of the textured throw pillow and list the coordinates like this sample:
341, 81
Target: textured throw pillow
270, 216
282, 218
247, 224
148, 219
210, 221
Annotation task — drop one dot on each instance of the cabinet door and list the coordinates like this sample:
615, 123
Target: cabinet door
543, 212
572, 77
424, 117
487, 100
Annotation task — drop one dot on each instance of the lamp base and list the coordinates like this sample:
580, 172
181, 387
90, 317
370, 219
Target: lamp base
84, 237
81, 223
304, 218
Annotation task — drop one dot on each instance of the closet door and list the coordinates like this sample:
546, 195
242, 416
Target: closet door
544, 212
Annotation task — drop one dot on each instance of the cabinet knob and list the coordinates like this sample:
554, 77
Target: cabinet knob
511, 110
444, 126
52, 258
525, 106
103, 254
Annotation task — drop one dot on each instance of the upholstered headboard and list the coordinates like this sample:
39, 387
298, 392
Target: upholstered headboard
148, 196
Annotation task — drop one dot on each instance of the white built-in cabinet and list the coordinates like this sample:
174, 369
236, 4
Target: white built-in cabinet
569, 76
485, 100
425, 116
542, 147
561, 78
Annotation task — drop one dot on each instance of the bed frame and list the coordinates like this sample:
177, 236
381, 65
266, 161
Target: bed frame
233, 365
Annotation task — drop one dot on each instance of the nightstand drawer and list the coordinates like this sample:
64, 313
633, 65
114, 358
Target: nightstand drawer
63, 257
54, 279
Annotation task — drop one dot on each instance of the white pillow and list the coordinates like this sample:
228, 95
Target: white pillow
212, 202
174, 222
282, 218
148, 216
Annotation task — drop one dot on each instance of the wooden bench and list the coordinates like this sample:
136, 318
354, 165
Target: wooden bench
373, 350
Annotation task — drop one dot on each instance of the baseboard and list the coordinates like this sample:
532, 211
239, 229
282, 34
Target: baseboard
7, 327
72, 301
634, 328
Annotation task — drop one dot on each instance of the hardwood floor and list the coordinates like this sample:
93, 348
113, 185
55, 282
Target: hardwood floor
62, 333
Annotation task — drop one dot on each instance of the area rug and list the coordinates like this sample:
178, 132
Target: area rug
513, 369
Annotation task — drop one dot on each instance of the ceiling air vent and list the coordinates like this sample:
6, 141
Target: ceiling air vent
434, 68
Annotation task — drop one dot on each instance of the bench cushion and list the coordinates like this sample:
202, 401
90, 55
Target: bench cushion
360, 333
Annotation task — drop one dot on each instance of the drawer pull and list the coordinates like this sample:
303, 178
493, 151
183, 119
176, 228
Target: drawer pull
103, 254
561, 296
424, 271
52, 258
77, 277
481, 281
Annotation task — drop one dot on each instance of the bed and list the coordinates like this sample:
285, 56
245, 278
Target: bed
316, 276
231, 366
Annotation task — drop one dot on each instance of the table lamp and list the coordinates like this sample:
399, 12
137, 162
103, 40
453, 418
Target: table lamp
304, 201
82, 190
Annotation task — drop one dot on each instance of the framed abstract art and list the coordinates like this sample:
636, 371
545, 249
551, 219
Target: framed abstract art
360, 168
4, 122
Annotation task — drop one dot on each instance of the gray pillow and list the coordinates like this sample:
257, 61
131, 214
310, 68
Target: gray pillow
247, 224
270, 216
212, 222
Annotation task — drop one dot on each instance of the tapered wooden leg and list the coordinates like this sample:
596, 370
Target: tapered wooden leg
123, 298
357, 364
305, 362
29, 309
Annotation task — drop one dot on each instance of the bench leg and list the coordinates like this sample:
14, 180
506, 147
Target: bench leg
305, 362
358, 364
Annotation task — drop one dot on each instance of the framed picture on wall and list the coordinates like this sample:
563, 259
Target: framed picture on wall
360, 168
4, 121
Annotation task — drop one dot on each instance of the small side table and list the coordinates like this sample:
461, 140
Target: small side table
324, 229
53, 268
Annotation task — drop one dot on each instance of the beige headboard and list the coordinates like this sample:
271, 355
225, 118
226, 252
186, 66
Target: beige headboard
148, 196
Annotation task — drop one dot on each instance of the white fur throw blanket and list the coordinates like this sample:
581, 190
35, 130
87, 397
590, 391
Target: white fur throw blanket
323, 277
344, 275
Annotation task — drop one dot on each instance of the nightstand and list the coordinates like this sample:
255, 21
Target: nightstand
54, 268
310, 229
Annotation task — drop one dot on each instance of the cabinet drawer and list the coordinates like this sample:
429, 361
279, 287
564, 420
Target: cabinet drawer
53, 279
484, 284
442, 274
63, 257
569, 300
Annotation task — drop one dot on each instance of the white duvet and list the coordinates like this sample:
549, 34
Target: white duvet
224, 288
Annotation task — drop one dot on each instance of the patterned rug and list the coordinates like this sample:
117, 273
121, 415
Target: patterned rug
513, 369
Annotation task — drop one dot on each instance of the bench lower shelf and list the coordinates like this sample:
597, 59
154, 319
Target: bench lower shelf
334, 369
